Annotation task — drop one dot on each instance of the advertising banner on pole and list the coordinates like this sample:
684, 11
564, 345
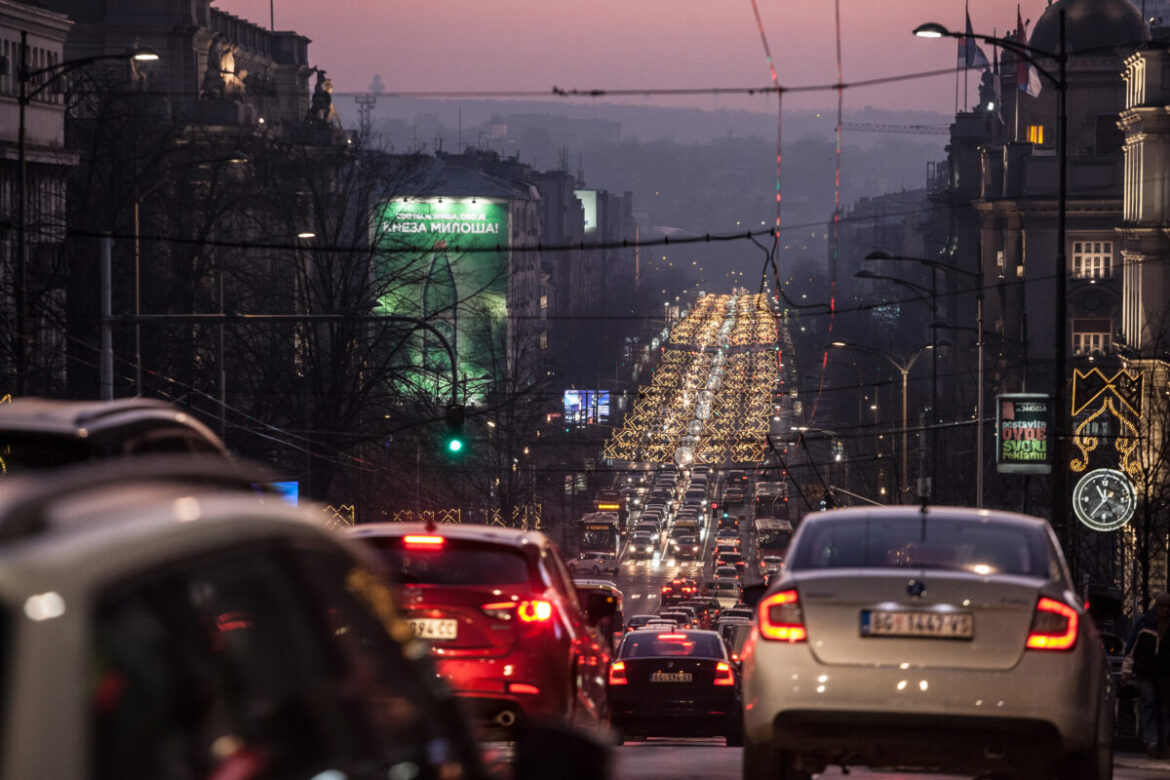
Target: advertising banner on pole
1022, 422
446, 262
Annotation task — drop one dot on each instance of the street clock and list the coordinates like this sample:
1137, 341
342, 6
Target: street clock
1104, 499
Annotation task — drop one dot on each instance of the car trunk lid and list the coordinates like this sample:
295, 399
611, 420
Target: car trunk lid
928, 618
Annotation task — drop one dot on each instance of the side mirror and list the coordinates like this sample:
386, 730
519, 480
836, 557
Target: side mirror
753, 593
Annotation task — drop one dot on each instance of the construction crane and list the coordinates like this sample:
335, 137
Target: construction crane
869, 127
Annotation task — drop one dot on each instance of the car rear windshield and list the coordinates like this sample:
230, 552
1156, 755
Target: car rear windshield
981, 545
653, 644
455, 562
33, 451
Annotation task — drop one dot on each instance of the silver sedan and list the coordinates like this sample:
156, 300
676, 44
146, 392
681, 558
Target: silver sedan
947, 639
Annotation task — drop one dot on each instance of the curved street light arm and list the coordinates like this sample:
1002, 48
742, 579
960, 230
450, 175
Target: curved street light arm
59, 69
1029, 53
974, 276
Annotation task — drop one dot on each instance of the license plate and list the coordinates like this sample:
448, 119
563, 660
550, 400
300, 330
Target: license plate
941, 625
434, 628
672, 677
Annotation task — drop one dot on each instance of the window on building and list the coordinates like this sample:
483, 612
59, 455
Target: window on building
1092, 259
1036, 134
1091, 336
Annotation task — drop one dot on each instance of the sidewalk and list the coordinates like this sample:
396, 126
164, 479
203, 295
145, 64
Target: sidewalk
1140, 761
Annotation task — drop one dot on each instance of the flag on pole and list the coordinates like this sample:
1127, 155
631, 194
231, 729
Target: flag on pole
970, 55
1027, 77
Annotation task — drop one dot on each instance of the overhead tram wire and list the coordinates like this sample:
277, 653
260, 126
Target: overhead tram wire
708, 237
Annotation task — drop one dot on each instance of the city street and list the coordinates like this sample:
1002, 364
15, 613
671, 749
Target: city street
697, 759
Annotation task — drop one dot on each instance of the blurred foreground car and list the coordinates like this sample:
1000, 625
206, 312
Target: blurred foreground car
501, 615
160, 620
674, 684
949, 639
39, 433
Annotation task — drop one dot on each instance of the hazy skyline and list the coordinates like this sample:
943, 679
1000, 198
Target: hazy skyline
524, 45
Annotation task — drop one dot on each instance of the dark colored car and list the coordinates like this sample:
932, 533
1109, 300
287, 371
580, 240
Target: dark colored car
731, 559
675, 684
679, 589
502, 618
729, 521
685, 547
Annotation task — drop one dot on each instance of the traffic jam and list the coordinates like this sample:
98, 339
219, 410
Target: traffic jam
692, 608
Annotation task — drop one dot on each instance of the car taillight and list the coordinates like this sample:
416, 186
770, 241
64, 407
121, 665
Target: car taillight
421, 542
1054, 626
617, 673
781, 619
723, 675
535, 611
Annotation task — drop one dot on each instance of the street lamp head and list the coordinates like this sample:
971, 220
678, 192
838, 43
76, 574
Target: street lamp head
879, 254
144, 55
838, 343
931, 30
865, 273
237, 158
306, 234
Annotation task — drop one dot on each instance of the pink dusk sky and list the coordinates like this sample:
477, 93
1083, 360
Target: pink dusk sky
532, 45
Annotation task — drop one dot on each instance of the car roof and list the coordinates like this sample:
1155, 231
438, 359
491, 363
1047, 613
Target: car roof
86, 418
83, 525
464, 531
913, 511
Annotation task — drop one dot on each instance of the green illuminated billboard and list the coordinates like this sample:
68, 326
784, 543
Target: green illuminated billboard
446, 262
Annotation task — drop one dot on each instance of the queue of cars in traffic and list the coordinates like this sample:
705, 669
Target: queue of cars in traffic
165, 613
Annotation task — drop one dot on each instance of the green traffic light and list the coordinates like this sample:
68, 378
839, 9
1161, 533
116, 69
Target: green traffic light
454, 446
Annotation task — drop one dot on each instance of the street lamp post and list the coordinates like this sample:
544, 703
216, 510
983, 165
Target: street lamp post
977, 278
932, 304
903, 365
236, 158
47, 75
1030, 54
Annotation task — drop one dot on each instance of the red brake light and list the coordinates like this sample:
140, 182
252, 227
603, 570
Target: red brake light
723, 675
420, 542
672, 636
536, 611
523, 688
1054, 626
617, 673
781, 618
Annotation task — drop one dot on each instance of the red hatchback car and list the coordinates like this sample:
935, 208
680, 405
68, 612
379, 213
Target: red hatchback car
500, 612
